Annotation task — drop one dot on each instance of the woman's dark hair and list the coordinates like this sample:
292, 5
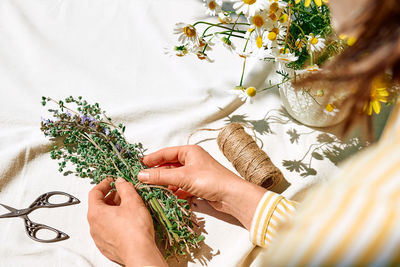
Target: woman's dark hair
376, 52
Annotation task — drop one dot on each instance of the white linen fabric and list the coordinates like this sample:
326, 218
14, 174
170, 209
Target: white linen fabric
111, 52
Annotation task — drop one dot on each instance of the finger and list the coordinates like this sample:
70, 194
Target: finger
127, 192
113, 199
170, 165
174, 154
173, 188
97, 194
160, 176
181, 194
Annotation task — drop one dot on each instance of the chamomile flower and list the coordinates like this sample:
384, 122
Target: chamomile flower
276, 5
176, 50
316, 43
245, 94
226, 42
203, 45
309, 69
378, 94
203, 56
243, 54
307, 3
259, 21
249, 7
187, 34
213, 7
224, 18
299, 44
330, 110
274, 35
284, 56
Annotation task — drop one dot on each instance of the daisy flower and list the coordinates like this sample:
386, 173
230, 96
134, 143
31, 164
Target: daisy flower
276, 5
203, 45
213, 7
188, 33
274, 35
224, 18
284, 56
309, 69
330, 110
245, 94
259, 21
203, 56
176, 50
299, 44
243, 54
316, 43
227, 43
249, 7
307, 3
379, 94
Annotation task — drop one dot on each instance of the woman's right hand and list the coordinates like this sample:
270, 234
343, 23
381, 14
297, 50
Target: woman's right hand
196, 172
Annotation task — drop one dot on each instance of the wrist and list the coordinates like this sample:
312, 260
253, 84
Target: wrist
143, 253
241, 200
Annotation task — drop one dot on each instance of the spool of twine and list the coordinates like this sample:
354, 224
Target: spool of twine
247, 157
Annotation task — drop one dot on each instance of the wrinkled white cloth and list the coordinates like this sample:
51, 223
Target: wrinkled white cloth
111, 52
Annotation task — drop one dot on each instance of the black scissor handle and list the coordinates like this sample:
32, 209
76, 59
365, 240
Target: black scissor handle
32, 228
43, 200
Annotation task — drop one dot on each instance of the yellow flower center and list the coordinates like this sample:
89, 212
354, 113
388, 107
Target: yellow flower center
273, 17
283, 18
299, 44
284, 50
189, 31
351, 41
273, 7
329, 107
212, 5
272, 36
314, 41
251, 91
259, 42
275, 30
249, 2
258, 21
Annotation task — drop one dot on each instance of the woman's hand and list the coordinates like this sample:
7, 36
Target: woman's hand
193, 170
121, 225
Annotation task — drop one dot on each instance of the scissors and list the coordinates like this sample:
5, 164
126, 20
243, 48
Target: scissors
41, 202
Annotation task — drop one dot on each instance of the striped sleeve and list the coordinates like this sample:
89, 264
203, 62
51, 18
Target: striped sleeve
272, 211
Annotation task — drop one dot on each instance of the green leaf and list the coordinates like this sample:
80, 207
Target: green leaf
317, 156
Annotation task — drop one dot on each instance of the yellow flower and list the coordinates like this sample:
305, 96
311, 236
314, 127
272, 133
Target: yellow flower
379, 94
308, 2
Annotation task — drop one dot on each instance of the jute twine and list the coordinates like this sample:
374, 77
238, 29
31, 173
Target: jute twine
251, 162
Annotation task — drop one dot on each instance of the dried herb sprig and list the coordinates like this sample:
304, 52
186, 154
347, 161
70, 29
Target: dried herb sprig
98, 149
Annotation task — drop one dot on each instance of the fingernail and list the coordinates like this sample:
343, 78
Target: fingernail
144, 176
120, 180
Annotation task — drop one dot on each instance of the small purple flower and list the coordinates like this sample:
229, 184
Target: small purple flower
68, 113
118, 147
84, 119
106, 131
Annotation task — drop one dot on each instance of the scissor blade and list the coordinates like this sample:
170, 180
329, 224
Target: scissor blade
13, 212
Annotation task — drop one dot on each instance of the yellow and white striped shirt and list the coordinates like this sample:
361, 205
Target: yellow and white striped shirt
352, 220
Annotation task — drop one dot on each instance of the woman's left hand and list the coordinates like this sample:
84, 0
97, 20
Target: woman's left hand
121, 225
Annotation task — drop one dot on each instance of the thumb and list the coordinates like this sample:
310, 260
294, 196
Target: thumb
127, 191
163, 176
